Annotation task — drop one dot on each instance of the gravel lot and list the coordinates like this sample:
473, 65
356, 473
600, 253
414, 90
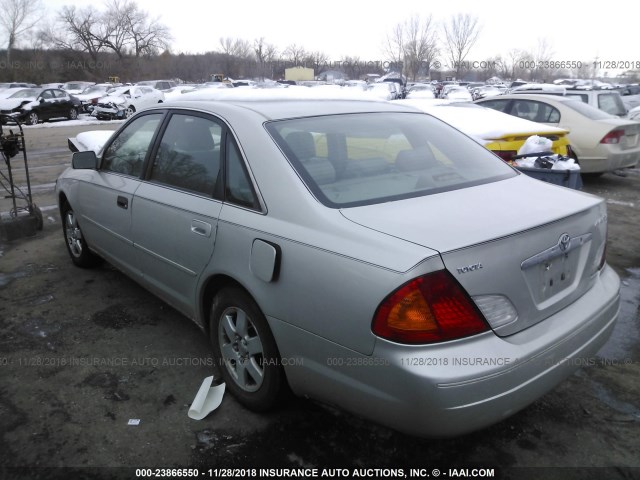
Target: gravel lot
82, 352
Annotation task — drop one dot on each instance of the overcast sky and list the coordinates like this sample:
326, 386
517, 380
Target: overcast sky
575, 31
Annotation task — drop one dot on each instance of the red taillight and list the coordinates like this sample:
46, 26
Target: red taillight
613, 137
506, 155
428, 309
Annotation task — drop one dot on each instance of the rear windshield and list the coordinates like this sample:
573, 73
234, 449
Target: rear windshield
611, 103
361, 159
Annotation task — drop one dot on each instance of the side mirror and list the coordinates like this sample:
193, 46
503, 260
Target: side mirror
84, 160
41, 100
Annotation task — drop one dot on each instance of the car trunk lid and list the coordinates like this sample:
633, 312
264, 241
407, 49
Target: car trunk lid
534, 244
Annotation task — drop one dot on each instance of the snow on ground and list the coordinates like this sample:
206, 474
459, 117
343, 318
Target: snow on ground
293, 92
82, 120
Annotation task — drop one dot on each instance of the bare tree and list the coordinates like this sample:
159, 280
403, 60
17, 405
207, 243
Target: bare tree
237, 53
18, 17
294, 54
81, 29
116, 25
130, 29
461, 32
420, 46
541, 68
512, 66
395, 45
317, 60
122, 28
265, 53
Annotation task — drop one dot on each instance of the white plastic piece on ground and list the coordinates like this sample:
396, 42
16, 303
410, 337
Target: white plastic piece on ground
207, 399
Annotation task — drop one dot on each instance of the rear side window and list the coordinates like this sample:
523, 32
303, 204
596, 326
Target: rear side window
189, 154
535, 111
127, 152
360, 159
238, 185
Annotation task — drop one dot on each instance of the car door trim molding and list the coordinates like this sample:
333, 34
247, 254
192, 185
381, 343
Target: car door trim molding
165, 260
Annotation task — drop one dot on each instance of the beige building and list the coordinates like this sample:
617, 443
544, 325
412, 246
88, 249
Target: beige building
298, 74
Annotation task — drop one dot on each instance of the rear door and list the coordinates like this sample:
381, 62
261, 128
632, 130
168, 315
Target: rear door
175, 213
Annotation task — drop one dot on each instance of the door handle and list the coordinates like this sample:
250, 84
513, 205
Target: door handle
201, 228
123, 202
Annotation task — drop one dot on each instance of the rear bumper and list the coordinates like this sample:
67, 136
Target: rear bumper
612, 160
455, 388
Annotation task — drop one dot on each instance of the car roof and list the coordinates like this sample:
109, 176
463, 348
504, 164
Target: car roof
278, 109
532, 96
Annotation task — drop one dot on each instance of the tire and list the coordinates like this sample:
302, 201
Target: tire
32, 118
129, 111
73, 114
246, 350
77, 247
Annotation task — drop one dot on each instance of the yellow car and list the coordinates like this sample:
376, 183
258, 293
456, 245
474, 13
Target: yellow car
501, 133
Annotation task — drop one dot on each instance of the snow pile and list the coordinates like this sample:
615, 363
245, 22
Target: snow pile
293, 92
94, 140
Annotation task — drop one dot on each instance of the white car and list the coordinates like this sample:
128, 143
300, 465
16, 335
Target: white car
382, 91
600, 142
634, 114
503, 134
458, 94
90, 95
123, 102
421, 91
74, 88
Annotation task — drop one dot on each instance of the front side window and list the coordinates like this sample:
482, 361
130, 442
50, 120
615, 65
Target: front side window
189, 154
127, 152
360, 159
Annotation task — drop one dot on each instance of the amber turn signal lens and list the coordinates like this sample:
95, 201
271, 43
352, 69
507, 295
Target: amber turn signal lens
428, 309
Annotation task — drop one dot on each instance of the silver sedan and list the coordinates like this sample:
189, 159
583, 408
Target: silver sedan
361, 253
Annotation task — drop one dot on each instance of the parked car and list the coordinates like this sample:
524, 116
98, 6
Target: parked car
11, 85
401, 89
361, 253
162, 85
421, 90
122, 102
382, 90
634, 114
606, 100
74, 88
456, 93
32, 105
90, 95
503, 134
486, 91
600, 142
